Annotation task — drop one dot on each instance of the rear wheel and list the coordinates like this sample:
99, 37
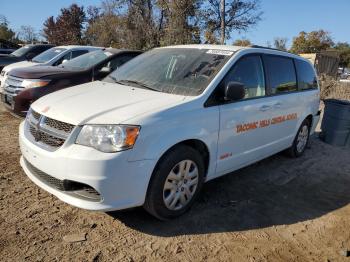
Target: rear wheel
301, 140
175, 183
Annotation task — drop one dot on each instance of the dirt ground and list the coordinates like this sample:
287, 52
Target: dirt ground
279, 209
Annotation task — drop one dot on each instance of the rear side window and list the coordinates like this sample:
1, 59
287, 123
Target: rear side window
77, 53
249, 72
306, 75
39, 49
118, 61
281, 73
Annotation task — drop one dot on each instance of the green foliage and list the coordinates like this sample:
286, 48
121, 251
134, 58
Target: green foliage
144, 24
312, 42
242, 42
344, 51
5, 32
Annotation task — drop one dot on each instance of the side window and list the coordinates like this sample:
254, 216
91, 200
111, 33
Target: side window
65, 57
248, 71
306, 75
38, 49
77, 53
281, 74
118, 61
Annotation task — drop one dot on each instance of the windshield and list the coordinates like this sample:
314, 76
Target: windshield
20, 52
183, 71
87, 60
48, 55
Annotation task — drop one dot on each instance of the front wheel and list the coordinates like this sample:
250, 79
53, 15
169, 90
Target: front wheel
175, 183
301, 140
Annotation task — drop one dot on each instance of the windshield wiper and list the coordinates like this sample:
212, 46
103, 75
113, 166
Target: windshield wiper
133, 82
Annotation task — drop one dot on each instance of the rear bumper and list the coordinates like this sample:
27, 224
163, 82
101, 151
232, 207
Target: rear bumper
121, 184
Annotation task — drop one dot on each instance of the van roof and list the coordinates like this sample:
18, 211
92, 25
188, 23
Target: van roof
207, 46
234, 48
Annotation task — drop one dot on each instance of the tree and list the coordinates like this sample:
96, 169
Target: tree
280, 43
312, 42
67, 28
242, 42
27, 34
103, 26
225, 16
181, 21
344, 53
5, 32
144, 24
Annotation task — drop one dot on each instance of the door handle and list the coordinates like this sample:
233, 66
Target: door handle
265, 108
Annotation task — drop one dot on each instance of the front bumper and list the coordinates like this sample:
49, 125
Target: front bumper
16, 104
121, 183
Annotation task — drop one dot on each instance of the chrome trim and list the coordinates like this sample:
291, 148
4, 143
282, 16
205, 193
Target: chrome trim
38, 132
12, 85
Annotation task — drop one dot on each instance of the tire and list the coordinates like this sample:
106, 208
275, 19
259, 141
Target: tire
169, 184
301, 140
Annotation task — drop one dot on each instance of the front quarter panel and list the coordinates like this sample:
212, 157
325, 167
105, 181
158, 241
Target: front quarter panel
163, 130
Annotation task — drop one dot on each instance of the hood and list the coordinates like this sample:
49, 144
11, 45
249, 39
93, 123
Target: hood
5, 60
34, 72
102, 103
19, 65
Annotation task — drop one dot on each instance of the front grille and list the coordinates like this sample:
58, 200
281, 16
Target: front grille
55, 124
46, 138
45, 178
47, 132
80, 190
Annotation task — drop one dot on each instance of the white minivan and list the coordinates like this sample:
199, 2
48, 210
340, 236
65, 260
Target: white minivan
167, 121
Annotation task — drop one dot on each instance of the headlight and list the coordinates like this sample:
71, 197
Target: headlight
108, 138
30, 83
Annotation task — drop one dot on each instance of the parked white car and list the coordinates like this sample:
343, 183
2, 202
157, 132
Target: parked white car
51, 57
166, 122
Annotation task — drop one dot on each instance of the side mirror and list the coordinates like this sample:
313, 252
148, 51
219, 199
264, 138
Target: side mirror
64, 61
105, 70
234, 91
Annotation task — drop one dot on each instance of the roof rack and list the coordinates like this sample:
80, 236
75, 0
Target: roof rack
269, 48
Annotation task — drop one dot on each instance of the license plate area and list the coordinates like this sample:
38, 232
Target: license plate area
8, 100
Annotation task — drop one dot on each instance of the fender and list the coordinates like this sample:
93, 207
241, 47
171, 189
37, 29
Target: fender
200, 124
313, 100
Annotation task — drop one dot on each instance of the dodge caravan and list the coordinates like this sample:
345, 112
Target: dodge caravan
153, 131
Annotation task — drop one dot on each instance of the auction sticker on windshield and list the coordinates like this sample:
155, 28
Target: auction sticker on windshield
219, 52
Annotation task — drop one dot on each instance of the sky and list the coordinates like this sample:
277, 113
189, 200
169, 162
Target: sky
281, 18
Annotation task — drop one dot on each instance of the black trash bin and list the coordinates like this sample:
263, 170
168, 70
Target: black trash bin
336, 123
